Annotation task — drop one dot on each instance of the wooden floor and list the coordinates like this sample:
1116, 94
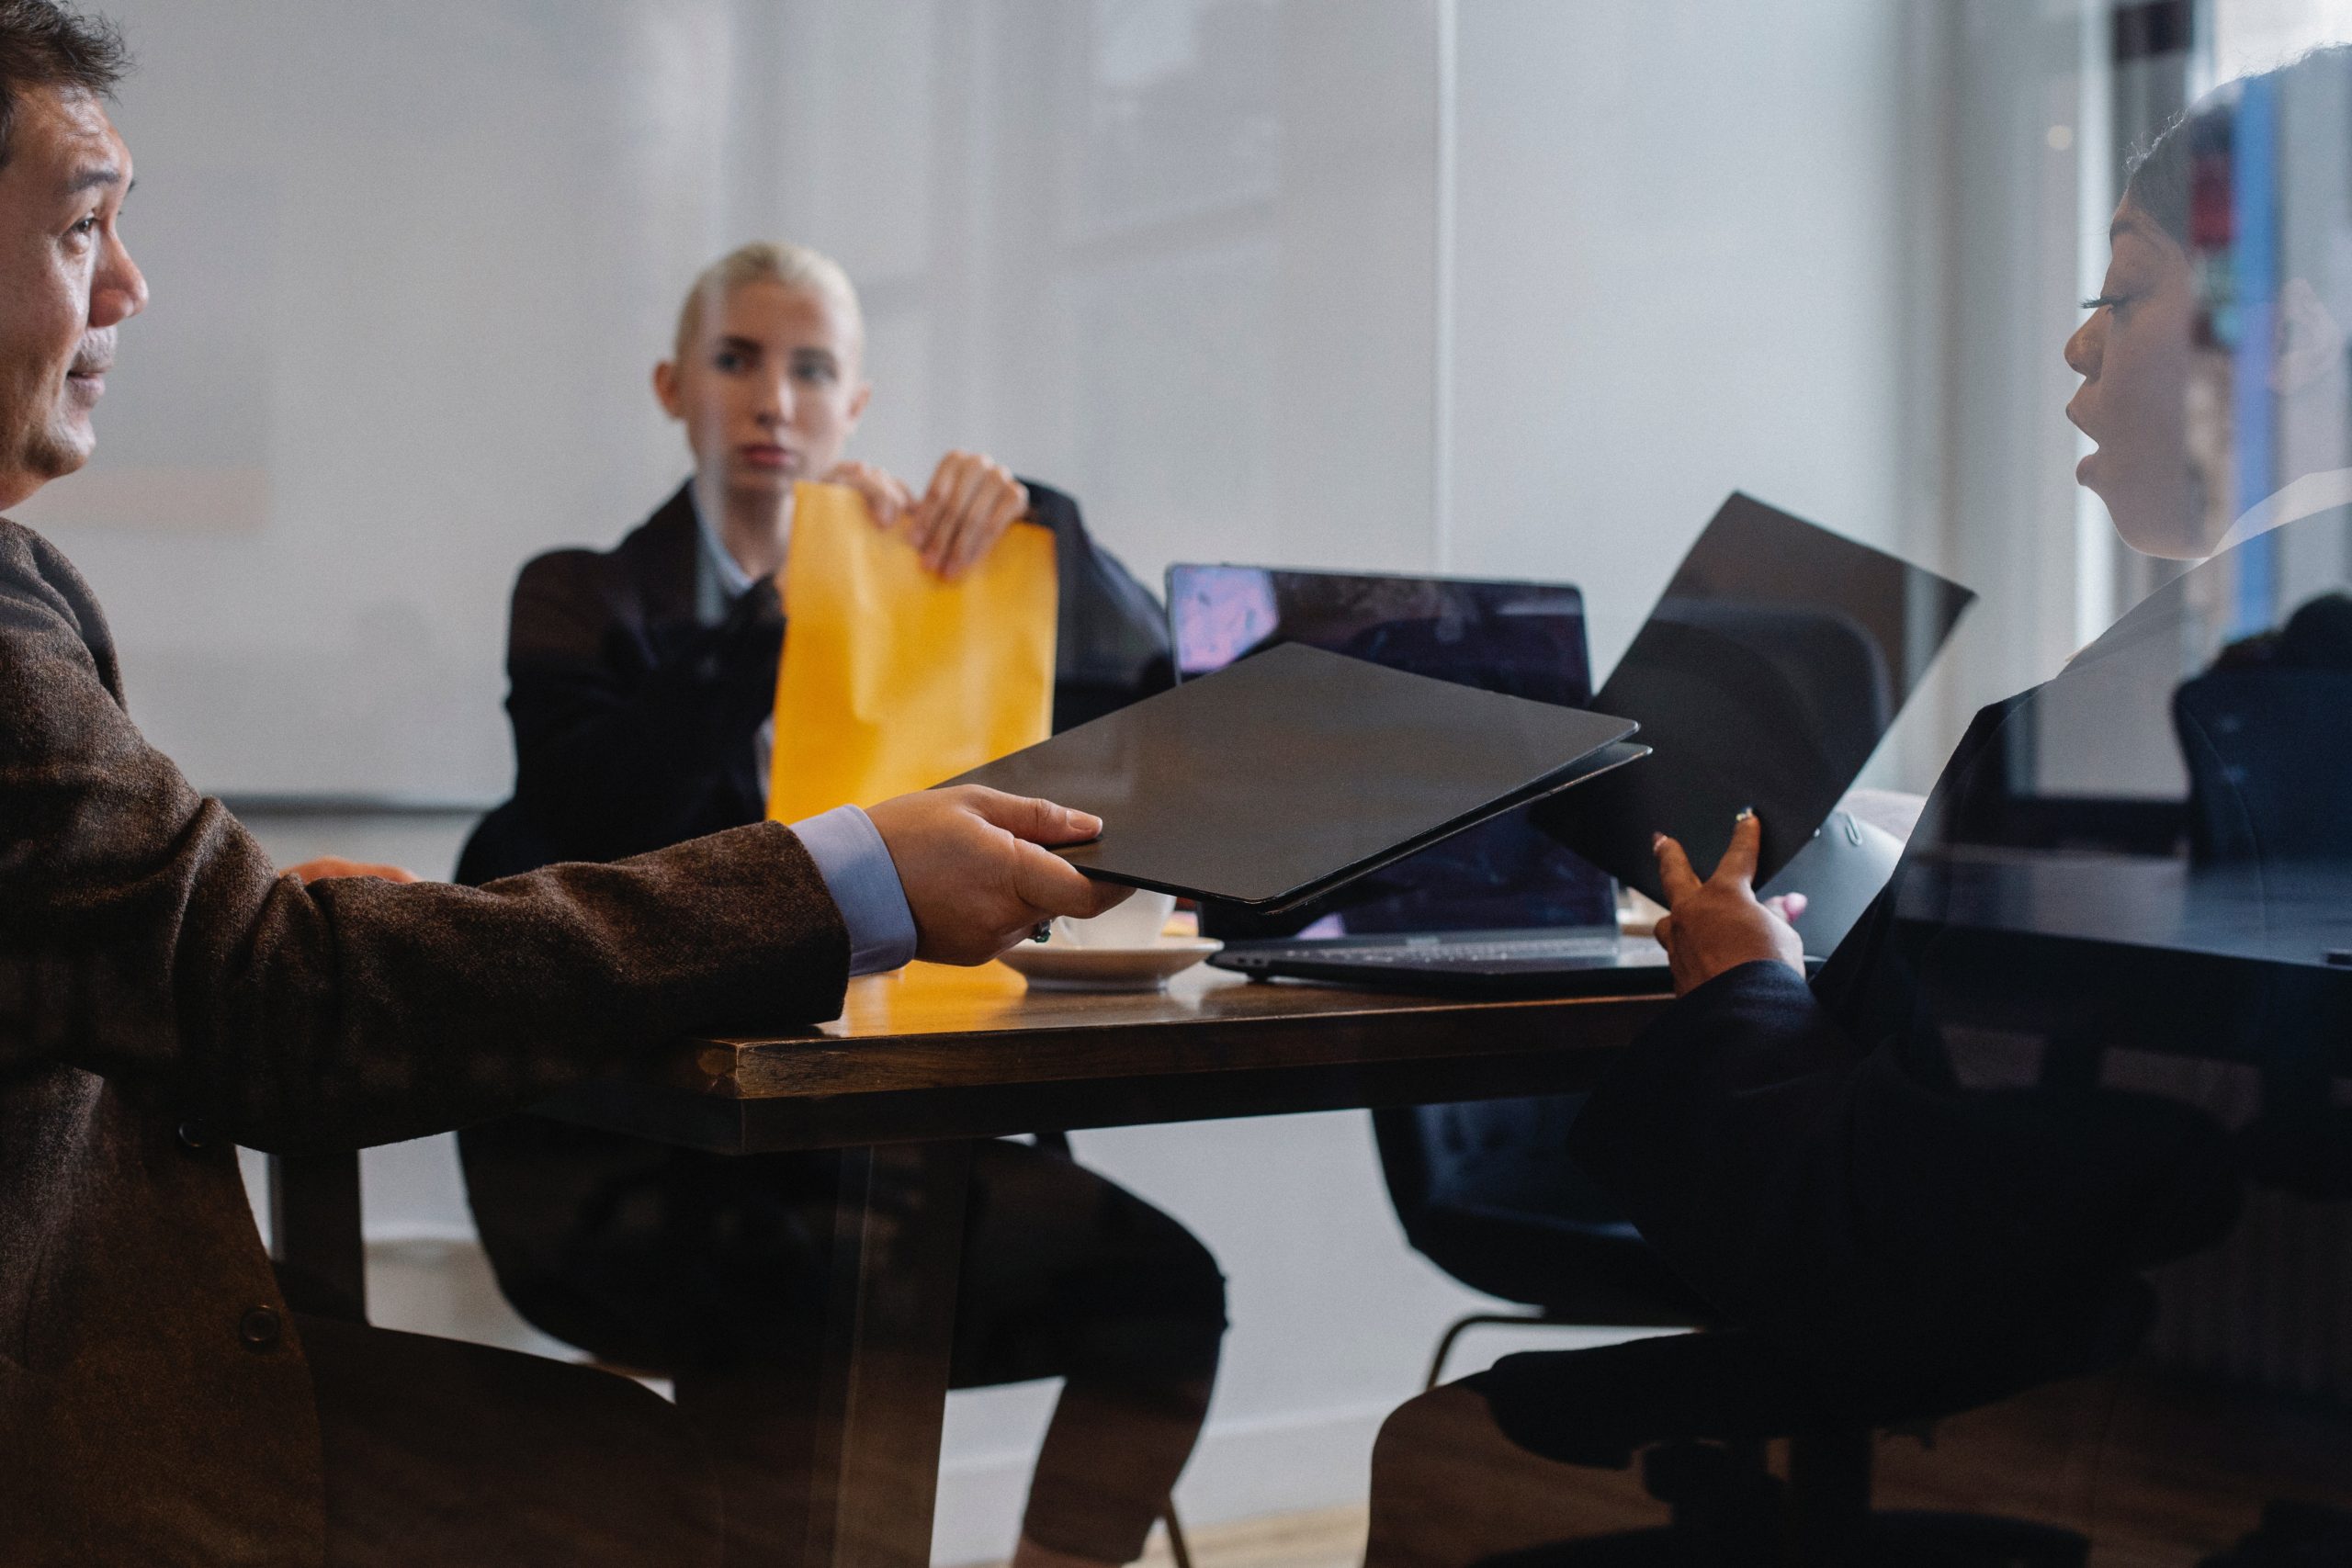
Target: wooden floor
2161, 1473
1327, 1538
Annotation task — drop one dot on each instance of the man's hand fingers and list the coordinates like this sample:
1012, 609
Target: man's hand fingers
1026, 816
1738, 865
1051, 885
1674, 869
1790, 907
1109, 894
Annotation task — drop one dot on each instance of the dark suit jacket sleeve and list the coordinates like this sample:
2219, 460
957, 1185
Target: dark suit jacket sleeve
1111, 636
609, 763
145, 937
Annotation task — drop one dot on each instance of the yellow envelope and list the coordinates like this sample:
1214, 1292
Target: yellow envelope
893, 679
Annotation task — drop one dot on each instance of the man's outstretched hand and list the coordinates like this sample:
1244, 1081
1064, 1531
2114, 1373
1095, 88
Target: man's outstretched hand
976, 876
1717, 925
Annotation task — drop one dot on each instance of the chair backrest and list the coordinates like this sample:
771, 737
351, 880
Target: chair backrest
1829, 663
2270, 770
1487, 1153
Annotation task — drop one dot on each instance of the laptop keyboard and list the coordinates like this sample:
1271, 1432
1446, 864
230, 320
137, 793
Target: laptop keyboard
1440, 954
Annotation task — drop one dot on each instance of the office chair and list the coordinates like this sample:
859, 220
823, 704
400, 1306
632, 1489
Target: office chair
2265, 780
2269, 787
1701, 1409
1827, 664
1485, 1192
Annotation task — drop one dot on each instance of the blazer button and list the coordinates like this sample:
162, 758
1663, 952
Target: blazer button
195, 1137
261, 1329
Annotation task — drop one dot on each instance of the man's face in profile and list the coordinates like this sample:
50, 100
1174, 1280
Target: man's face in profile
66, 282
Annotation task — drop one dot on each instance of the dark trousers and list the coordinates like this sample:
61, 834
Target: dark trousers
445, 1455
712, 1270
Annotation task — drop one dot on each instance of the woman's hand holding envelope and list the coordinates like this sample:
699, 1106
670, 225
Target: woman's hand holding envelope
971, 501
975, 875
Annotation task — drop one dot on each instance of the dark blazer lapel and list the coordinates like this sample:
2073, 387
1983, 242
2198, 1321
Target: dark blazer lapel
659, 556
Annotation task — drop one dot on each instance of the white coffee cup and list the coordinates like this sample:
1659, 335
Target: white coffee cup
1134, 923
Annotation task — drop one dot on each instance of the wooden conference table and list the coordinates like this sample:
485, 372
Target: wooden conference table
924, 1063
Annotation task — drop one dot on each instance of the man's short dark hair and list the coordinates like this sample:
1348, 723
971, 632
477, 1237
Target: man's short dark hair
43, 44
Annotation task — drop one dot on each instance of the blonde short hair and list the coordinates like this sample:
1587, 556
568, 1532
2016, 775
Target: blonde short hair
766, 261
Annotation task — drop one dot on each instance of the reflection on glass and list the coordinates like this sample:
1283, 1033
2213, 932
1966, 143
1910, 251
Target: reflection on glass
2056, 1152
1183, 111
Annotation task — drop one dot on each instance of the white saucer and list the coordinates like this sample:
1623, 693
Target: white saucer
1059, 966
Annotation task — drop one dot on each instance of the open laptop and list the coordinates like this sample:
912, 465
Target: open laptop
1766, 675
1500, 910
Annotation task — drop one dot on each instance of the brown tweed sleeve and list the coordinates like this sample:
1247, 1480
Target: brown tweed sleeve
146, 937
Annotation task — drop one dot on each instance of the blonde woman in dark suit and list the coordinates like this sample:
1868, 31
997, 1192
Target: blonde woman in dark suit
643, 684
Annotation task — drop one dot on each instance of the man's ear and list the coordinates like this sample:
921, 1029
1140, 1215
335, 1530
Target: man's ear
2310, 342
865, 394
666, 390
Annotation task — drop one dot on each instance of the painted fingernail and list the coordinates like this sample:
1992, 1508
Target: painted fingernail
1657, 842
1746, 812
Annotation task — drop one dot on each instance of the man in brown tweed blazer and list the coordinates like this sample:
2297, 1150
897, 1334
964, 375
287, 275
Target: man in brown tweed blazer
165, 994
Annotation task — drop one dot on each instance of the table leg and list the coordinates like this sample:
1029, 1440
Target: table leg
889, 1325
314, 1234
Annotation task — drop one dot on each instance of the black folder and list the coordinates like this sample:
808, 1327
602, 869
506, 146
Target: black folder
1285, 775
1772, 666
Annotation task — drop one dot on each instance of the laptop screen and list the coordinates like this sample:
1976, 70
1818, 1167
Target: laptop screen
1526, 639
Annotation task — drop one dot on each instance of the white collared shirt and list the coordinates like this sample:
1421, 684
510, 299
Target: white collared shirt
2306, 497
719, 581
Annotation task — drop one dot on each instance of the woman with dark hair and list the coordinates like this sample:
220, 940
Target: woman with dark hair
1939, 1172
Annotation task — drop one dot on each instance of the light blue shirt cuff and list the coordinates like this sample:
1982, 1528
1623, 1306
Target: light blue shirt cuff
859, 873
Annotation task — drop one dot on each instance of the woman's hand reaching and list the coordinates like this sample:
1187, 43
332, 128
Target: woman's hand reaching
1715, 926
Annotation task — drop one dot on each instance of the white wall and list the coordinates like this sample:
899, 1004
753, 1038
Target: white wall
1695, 251
410, 266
